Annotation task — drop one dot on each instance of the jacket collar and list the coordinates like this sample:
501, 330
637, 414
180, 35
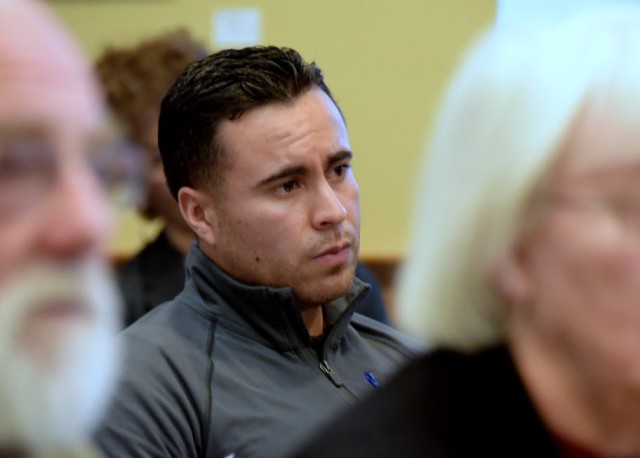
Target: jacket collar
264, 313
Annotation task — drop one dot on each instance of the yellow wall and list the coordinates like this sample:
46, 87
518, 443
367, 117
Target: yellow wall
386, 62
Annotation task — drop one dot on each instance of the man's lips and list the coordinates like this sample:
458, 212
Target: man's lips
60, 311
62, 307
50, 324
334, 250
335, 255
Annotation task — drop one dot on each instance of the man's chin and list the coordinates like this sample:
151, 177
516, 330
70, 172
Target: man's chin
47, 327
322, 291
49, 406
59, 354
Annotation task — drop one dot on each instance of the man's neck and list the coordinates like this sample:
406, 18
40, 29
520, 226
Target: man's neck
180, 237
313, 318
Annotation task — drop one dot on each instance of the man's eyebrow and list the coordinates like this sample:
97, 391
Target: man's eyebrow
301, 170
339, 157
284, 173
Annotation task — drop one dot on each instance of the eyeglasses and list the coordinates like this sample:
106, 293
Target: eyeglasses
30, 166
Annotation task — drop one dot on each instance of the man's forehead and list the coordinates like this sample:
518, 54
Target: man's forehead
48, 107
31, 38
44, 78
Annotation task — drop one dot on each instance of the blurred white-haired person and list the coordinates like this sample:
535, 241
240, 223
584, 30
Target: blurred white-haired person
58, 306
524, 269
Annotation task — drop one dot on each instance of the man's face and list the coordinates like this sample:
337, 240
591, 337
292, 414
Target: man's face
582, 258
51, 204
58, 310
288, 213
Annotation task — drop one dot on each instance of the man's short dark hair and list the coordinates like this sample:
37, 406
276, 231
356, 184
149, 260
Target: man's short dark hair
224, 86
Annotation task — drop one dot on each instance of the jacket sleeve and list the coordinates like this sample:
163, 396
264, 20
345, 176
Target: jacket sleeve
158, 407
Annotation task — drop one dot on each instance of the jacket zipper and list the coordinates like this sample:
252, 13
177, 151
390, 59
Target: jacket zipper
328, 371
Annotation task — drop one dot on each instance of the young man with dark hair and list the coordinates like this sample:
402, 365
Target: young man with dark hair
262, 346
135, 79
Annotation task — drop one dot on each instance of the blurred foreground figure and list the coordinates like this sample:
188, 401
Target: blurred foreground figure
58, 310
525, 269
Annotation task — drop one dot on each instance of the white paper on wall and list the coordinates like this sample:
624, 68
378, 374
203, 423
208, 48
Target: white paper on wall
513, 12
231, 27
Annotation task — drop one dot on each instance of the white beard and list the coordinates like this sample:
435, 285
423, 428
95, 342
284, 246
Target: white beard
53, 397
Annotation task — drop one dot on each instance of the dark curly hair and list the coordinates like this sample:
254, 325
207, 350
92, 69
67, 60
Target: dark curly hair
136, 79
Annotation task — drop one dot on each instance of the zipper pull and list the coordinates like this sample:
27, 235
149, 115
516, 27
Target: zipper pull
328, 371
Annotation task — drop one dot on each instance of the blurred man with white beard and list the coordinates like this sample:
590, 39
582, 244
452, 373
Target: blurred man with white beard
58, 308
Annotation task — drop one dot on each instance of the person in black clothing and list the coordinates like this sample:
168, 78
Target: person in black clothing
135, 80
524, 273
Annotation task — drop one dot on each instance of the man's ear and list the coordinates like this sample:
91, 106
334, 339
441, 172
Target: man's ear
511, 277
198, 210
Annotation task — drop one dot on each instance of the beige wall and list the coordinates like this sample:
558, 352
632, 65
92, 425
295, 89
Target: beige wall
386, 61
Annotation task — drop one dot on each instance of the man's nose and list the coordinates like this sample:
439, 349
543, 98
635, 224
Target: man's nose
329, 210
77, 215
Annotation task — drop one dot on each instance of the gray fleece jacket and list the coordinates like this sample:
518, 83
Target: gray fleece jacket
227, 369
